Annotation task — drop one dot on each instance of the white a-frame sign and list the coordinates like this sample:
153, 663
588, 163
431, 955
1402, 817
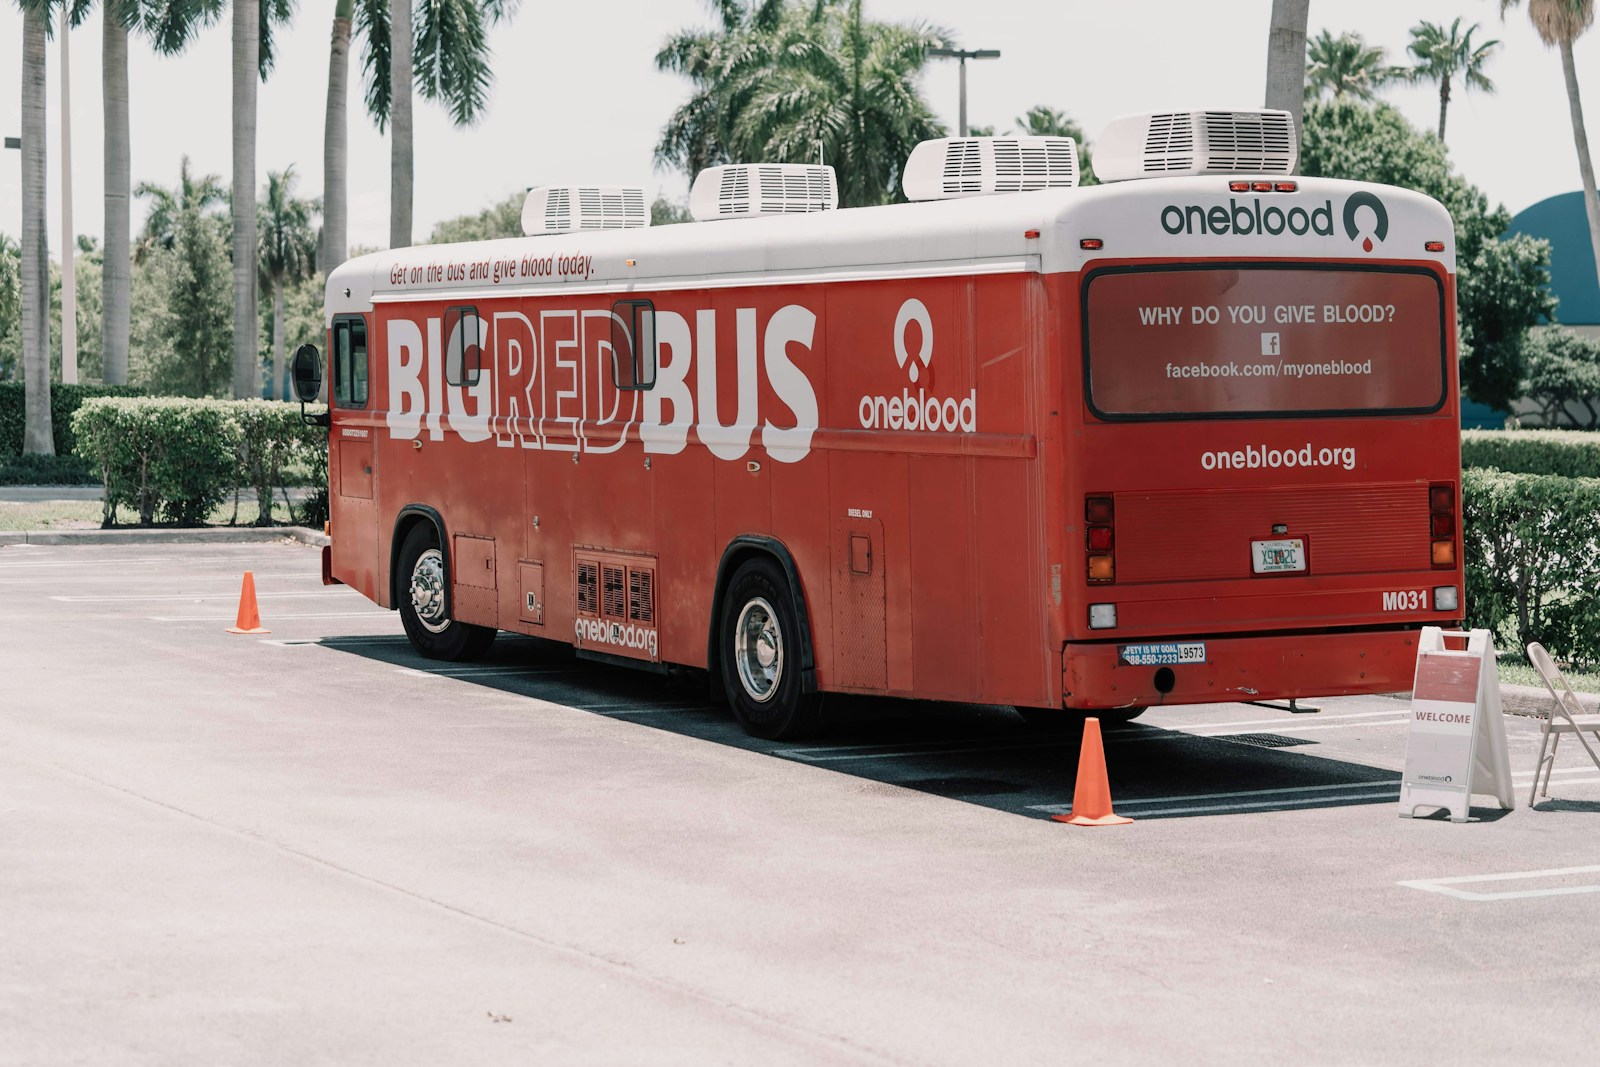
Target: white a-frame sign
1457, 744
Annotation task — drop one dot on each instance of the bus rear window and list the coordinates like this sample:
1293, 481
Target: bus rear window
1258, 340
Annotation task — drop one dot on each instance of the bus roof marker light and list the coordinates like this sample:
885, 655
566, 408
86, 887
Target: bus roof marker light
1261, 187
1434, 246
1238, 187
1031, 234
1285, 187
1091, 244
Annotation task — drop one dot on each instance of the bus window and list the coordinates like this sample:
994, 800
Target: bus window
463, 356
1254, 340
350, 362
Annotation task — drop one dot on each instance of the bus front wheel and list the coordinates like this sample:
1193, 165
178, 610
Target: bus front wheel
423, 577
760, 654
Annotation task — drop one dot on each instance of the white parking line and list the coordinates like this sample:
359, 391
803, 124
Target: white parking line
1295, 728
192, 597
479, 672
376, 614
1281, 721
1446, 886
1282, 790
1282, 803
18, 565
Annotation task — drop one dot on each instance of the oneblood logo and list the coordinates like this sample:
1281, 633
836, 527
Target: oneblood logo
604, 632
1352, 219
1250, 217
919, 410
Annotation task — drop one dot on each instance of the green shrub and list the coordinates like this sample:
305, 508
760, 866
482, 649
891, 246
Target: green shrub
1569, 453
64, 401
30, 469
175, 460
1532, 546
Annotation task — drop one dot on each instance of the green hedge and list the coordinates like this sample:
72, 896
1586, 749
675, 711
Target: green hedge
31, 469
64, 402
1532, 546
1570, 453
177, 460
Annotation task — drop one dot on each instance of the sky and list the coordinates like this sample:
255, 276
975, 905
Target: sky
577, 97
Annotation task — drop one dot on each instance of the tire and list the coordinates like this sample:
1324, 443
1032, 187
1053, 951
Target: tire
422, 573
1056, 720
759, 649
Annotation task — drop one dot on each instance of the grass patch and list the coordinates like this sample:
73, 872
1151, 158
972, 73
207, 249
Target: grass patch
1516, 671
47, 515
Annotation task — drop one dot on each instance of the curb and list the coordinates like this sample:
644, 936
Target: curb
225, 535
1534, 699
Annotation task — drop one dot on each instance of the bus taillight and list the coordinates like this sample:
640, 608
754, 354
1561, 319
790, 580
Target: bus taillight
1099, 513
1442, 523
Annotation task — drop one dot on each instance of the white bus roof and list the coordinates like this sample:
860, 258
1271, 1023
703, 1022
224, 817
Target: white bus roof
1166, 218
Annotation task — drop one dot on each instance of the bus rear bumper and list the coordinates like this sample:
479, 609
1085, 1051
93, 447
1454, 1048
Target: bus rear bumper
1273, 667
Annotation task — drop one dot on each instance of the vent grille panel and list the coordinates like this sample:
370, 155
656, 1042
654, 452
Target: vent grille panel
753, 190
1197, 142
613, 592
566, 208
641, 596
976, 166
588, 588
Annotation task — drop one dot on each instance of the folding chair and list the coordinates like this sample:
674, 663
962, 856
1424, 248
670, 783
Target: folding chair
1564, 716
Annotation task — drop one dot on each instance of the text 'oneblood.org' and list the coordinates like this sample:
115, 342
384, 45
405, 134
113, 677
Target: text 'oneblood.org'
1253, 458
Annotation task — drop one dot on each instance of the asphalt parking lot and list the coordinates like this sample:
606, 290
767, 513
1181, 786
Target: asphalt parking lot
312, 846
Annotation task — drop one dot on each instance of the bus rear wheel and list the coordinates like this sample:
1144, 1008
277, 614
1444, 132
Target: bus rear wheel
759, 648
1060, 720
432, 632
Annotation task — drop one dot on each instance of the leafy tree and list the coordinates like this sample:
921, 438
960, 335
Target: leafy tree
1563, 374
780, 80
183, 335
1346, 65
500, 220
1500, 284
287, 253
168, 207
10, 307
664, 212
1559, 23
1440, 54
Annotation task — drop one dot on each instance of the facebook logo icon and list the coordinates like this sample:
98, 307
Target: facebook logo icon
1269, 344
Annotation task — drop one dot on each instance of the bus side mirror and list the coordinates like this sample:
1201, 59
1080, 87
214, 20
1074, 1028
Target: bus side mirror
307, 373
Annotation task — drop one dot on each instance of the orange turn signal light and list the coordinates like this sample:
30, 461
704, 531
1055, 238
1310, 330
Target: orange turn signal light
1444, 553
1102, 568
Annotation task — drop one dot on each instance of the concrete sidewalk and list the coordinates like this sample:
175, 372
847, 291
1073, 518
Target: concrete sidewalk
28, 494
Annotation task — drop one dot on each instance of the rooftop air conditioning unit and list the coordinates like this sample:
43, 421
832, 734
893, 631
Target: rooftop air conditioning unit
953, 167
564, 208
1196, 142
747, 190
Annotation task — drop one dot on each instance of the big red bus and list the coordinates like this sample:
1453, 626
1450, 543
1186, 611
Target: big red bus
1187, 436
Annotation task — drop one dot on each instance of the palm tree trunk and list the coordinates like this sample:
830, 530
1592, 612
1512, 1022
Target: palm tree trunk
335, 142
400, 123
1286, 57
1444, 104
37, 434
277, 337
246, 49
115, 281
1580, 138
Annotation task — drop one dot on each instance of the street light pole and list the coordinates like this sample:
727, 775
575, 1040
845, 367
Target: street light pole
963, 55
69, 243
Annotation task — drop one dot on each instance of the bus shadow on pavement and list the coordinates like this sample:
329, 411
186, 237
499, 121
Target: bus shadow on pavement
975, 754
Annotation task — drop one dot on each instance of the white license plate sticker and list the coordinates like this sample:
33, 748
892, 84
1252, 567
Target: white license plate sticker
1277, 557
1161, 655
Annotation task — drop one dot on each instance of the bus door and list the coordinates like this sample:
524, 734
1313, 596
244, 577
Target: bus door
350, 457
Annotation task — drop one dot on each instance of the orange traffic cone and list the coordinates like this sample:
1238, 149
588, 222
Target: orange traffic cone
249, 621
1091, 800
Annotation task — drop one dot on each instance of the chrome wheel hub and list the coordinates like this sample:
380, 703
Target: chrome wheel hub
758, 650
427, 591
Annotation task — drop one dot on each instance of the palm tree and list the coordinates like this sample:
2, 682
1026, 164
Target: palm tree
37, 435
1286, 57
1441, 54
1559, 23
287, 253
446, 58
246, 64
790, 79
335, 143
1346, 64
168, 207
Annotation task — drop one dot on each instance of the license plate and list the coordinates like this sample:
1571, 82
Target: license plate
1276, 557
1161, 655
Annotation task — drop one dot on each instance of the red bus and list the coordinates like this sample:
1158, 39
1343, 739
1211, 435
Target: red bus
1165, 440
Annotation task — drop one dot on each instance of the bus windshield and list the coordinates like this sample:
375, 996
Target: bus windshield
1220, 341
